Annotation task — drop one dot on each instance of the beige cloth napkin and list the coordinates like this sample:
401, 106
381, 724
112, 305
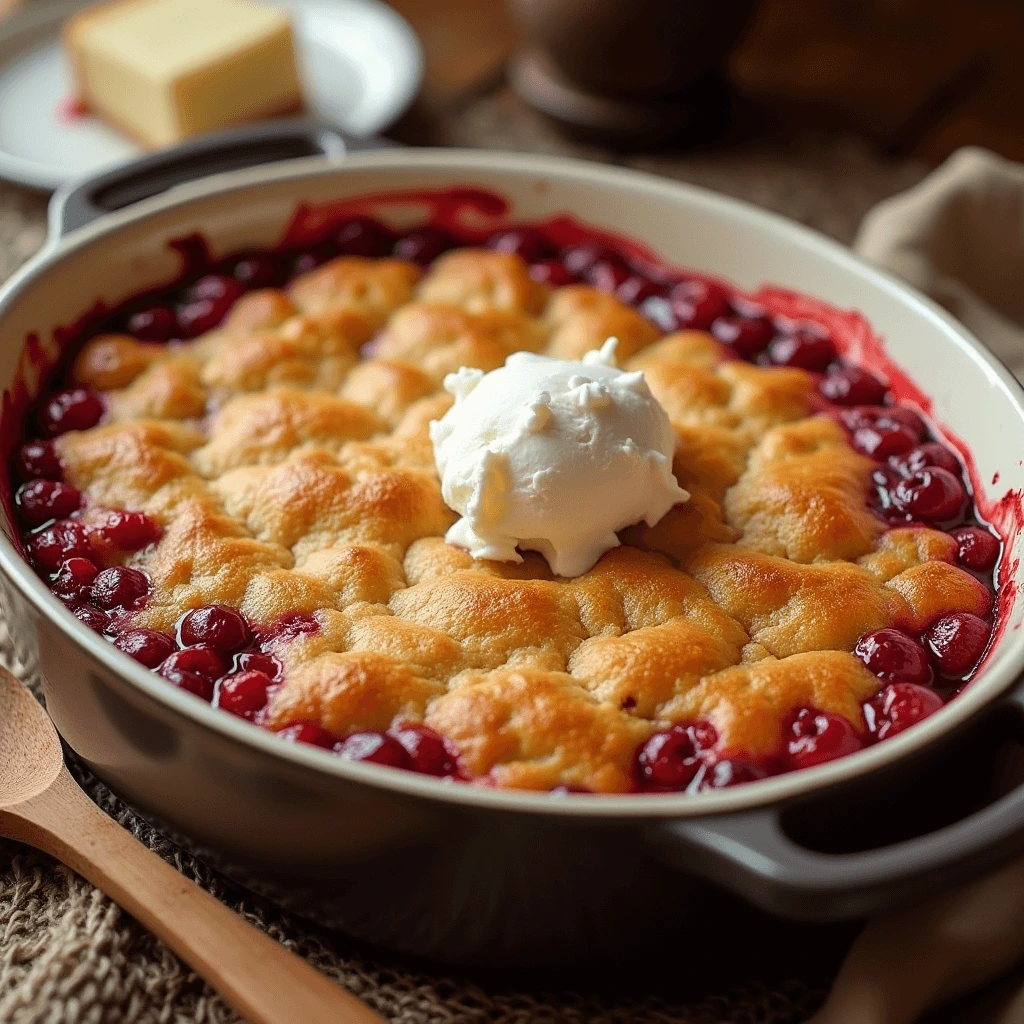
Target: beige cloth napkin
959, 237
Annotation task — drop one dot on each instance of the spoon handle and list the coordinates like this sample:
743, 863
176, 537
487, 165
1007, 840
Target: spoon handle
263, 981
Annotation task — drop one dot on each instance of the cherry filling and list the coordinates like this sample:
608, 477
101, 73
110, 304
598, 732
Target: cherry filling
70, 409
119, 588
95, 618
221, 657
194, 669
424, 245
957, 642
42, 500
146, 646
528, 243
898, 707
930, 495
244, 693
206, 303
815, 737
429, 753
157, 323
552, 272
375, 747
671, 759
128, 531
363, 236
74, 578
894, 657
807, 347
977, 549
309, 733
695, 305
850, 385
37, 460
216, 626
746, 336
67, 538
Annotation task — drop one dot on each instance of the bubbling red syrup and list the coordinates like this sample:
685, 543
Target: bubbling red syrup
220, 657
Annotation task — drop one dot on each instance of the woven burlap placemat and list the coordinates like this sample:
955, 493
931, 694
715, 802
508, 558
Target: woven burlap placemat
70, 956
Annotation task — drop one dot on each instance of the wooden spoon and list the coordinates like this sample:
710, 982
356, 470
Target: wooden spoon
42, 805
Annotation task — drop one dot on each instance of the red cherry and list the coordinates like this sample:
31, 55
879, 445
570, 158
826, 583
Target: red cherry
258, 662
580, 258
424, 245
528, 243
289, 627
697, 304
819, 736
244, 693
898, 707
364, 236
429, 753
206, 304
375, 747
194, 669
128, 531
73, 577
883, 439
671, 759
894, 657
93, 617
607, 275
636, 290
746, 336
198, 685
158, 323
42, 500
120, 587
309, 733
731, 772
551, 272
217, 626
259, 270
925, 456
659, 311
889, 415
884, 478
977, 548
310, 259
67, 538
807, 348
932, 495
201, 661
70, 409
146, 646
850, 385
38, 460
958, 641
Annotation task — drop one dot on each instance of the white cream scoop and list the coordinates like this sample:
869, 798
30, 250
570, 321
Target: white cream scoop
553, 456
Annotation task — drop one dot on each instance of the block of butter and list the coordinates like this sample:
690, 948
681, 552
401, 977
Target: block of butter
162, 70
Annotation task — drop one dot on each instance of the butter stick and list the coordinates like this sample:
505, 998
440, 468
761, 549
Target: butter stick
162, 70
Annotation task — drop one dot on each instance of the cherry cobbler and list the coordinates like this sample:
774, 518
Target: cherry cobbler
233, 481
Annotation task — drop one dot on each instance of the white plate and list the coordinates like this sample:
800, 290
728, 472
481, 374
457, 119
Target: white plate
361, 66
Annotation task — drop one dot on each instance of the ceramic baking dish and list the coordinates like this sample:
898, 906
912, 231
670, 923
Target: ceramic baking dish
476, 875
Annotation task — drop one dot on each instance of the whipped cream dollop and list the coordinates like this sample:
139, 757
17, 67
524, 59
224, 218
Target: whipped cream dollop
553, 456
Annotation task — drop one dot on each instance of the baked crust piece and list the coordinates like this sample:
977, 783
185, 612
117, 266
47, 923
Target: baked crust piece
290, 467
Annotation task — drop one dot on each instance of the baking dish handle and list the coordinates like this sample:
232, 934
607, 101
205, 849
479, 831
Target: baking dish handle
80, 202
754, 854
